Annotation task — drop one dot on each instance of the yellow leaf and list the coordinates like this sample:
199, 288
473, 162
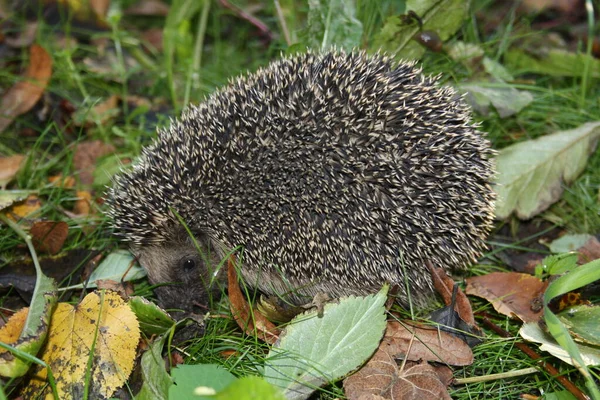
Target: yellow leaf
102, 323
12, 330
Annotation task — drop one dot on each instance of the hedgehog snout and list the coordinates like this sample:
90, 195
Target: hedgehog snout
185, 272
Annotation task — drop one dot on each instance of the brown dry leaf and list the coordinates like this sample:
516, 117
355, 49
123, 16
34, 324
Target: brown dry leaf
250, 324
425, 343
419, 382
9, 166
12, 330
83, 203
49, 236
24, 208
590, 251
101, 113
148, 7
380, 378
511, 293
85, 158
375, 378
65, 182
444, 285
24, 94
71, 338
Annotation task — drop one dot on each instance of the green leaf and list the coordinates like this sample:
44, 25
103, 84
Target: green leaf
153, 319
559, 263
210, 378
530, 174
117, 266
571, 242
505, 99
582, 323
444, 17
315, 350
333, 23
35, 329
584, 275
250, 388
154, 373
554, 62
532, 332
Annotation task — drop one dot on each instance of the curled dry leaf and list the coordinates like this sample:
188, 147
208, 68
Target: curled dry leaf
425, 343
444, 285
49, 236
9, 166
511, 293
250, 321
23, 95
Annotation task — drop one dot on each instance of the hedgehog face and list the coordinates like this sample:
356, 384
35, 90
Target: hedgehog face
185, 272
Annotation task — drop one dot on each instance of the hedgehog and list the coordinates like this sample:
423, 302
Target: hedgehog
331, 173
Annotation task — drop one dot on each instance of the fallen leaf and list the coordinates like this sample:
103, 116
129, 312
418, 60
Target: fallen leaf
511, 293
24, 94
24, 208
419, 382
85, 158
83, 203
414, 342
252, 322
101, 113
49, 236
444, 285
66, 182
12, 330
9, 166
380, 378
531, 174
102, 322
505, 99
532, 332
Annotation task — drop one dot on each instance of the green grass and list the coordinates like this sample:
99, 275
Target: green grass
192, 67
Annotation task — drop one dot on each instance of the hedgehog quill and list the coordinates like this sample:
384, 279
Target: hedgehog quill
336, 172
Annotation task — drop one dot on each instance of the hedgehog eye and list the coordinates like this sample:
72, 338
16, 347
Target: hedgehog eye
188, 264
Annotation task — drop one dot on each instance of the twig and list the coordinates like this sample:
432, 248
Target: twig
281, 17
575, 391
264, 30
493, 377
